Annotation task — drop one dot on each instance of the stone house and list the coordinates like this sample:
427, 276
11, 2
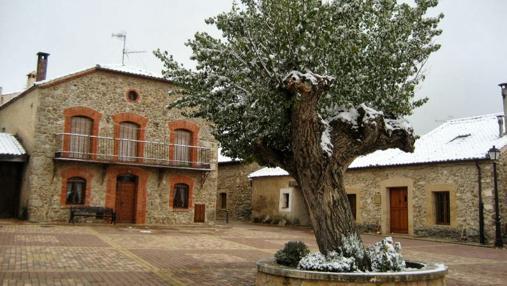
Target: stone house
233, 188
435, 191
103, 136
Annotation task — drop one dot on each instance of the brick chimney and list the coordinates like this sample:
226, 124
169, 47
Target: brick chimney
503, 86
42, 65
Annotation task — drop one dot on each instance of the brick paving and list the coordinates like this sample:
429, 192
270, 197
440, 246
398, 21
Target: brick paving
92, 254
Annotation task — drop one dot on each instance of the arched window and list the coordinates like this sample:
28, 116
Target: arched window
80, 137
76, 191
128, 145
181, 192
182, 143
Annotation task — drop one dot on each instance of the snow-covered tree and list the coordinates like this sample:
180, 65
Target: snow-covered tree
309, 85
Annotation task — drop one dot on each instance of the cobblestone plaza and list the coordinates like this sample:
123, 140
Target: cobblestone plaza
91, 254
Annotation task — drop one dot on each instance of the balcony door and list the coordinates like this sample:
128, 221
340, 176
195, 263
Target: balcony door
182, 154
80, 140
128, 145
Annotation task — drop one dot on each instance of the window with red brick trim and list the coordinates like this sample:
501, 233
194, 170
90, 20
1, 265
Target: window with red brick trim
128, 141
123, 128
183, 135
181, 192
180, 199
76, 186
80, 137
81, 129
76, 191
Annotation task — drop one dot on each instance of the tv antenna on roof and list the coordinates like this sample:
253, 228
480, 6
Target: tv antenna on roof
125, 52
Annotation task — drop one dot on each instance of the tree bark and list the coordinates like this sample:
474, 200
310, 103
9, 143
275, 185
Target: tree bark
320, 172
319, 176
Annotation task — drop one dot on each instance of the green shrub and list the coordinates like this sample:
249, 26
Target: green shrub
291, 253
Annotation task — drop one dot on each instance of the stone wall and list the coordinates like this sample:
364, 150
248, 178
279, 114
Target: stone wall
105, 92
371, 186
460, 179
233, 180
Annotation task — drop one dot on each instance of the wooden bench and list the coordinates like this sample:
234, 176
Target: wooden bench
97, 212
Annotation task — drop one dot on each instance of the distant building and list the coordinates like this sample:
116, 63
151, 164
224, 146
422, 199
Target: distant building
431, 192
103, 136
234, 194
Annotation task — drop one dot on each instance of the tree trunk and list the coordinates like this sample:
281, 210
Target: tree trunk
328, 207
319, 175
321, 153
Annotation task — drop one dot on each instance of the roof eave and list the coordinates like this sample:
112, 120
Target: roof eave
420, 163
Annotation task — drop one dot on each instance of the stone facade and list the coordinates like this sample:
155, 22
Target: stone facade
372, 188
42, 112
234, 183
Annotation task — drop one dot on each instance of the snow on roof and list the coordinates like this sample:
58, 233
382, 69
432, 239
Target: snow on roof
112, 67
6, 97
131, 70
9, 145
456, 140
268, 172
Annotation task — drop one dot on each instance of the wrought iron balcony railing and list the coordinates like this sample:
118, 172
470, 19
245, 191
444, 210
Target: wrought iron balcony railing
79, 147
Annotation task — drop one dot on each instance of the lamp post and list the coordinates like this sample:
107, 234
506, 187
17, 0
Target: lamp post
494, 155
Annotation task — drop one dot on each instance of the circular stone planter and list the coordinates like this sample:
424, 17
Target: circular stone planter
271, 273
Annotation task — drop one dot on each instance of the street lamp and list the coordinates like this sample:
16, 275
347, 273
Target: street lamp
494, 155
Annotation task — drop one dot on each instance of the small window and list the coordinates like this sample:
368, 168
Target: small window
223, 200
132, 96
285, 200
442, 208
352, 202
180, 199
76, 191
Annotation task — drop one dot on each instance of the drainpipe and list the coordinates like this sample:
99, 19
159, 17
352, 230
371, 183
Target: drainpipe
481, 204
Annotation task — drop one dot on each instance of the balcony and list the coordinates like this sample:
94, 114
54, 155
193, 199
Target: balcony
108, 150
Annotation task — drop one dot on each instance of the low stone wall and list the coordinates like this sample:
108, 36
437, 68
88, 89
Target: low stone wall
270, 273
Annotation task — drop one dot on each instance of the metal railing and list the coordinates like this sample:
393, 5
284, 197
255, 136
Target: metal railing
82, 147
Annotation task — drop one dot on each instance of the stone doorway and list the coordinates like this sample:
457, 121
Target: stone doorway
398, 199
126, 194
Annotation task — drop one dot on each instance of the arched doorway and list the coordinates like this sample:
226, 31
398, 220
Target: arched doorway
126, 194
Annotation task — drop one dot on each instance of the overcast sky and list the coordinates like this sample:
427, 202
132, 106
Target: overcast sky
462, 78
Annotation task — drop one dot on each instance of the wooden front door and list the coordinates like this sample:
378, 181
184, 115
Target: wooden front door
199, 212
399, 210
126, 191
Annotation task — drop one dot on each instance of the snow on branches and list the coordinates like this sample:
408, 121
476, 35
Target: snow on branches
350, 51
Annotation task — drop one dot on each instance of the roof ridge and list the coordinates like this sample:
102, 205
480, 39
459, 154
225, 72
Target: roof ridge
475, 117
460, 120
